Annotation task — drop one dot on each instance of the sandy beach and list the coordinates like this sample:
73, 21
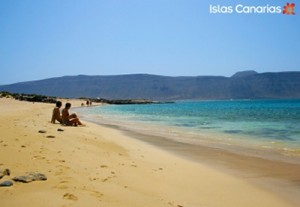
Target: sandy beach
100, 166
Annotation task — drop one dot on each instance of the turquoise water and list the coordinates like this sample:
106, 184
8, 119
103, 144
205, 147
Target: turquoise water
260, 120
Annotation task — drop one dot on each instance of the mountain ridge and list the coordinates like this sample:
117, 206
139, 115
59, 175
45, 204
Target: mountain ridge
242, 85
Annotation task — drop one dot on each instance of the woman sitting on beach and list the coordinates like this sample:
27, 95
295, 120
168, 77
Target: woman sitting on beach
56, 113
69, 120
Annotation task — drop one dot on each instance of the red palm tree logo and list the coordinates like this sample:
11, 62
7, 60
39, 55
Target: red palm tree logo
289, 9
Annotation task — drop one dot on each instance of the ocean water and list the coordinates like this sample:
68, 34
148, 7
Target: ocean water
267, 123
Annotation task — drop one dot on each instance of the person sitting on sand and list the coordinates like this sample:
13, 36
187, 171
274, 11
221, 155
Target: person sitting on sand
67, 119
56, 113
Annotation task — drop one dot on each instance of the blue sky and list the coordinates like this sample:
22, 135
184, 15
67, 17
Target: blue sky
50, 38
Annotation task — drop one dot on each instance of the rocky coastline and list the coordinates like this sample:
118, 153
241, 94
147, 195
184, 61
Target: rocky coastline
46, 99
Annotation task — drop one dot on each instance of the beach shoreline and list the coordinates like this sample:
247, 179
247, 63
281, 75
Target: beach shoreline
247, 146
268, 169
100, 166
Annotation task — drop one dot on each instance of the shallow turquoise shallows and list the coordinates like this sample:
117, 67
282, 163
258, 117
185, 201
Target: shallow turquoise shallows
260, 120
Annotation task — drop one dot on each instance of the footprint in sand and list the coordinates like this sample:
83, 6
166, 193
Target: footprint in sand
93, 179
97, 194
38, 157
70, 196
60, 169
159, 169
63, 167
173, 204
106, 179
59, 172
62, 185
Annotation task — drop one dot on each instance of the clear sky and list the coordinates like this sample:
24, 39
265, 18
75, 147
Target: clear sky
50, 38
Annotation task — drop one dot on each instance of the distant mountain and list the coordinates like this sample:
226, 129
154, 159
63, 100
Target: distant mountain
243, 74
242, 85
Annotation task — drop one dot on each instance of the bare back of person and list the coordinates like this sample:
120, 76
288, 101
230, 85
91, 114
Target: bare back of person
69, 120
56, 113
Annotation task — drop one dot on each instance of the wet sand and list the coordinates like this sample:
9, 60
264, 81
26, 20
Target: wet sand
281, 177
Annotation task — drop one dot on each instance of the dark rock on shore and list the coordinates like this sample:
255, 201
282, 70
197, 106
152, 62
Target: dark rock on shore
29, 97
6, 183
143, 101
34, 176
128, 101
35, 98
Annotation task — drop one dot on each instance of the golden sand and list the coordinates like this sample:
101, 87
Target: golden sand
99, 166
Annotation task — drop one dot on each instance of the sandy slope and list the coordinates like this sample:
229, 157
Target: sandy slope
98, 166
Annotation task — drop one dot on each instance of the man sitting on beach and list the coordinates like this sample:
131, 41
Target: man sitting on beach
67, 119
56, 113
